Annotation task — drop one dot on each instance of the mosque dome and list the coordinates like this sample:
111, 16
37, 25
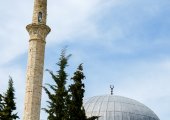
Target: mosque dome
112, 107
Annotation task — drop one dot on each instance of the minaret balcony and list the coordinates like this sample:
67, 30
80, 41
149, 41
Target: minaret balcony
38, 31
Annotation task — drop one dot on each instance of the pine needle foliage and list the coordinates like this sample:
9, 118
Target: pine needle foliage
93, 118
66, 103
8, 105
77, 111
77, 89
1, 106
57, 93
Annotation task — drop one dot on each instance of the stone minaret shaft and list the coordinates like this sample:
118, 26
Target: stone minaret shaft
38, 31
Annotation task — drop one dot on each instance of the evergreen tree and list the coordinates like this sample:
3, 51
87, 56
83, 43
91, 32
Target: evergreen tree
93, 118
58, 98
77, 111
66, 104
76, 108
1, 104
9, 105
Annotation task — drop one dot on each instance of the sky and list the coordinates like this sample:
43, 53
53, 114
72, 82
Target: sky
125, 43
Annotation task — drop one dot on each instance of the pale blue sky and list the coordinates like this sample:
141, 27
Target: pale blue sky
120, 42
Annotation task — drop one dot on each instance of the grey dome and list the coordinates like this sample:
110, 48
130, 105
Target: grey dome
111, 107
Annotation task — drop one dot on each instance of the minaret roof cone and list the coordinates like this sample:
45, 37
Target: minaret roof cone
40, 12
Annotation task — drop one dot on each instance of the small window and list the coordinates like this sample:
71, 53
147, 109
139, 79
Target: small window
40, 17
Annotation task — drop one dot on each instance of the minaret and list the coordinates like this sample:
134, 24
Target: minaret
38, 31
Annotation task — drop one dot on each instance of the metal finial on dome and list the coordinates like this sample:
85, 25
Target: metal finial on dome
111, 87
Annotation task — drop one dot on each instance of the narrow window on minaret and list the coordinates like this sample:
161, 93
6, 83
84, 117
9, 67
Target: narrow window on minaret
40, 17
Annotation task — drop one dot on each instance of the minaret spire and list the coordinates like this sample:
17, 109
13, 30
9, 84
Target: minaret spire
38, 31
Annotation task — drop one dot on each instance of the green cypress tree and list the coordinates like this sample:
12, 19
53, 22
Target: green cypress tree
93, 118
58, 95
77, 111
1, 106
66, 104
77, 90
9, 105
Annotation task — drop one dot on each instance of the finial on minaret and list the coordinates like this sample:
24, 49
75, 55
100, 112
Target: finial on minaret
111, 87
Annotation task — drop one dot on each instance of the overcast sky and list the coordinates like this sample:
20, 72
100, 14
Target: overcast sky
120, 42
